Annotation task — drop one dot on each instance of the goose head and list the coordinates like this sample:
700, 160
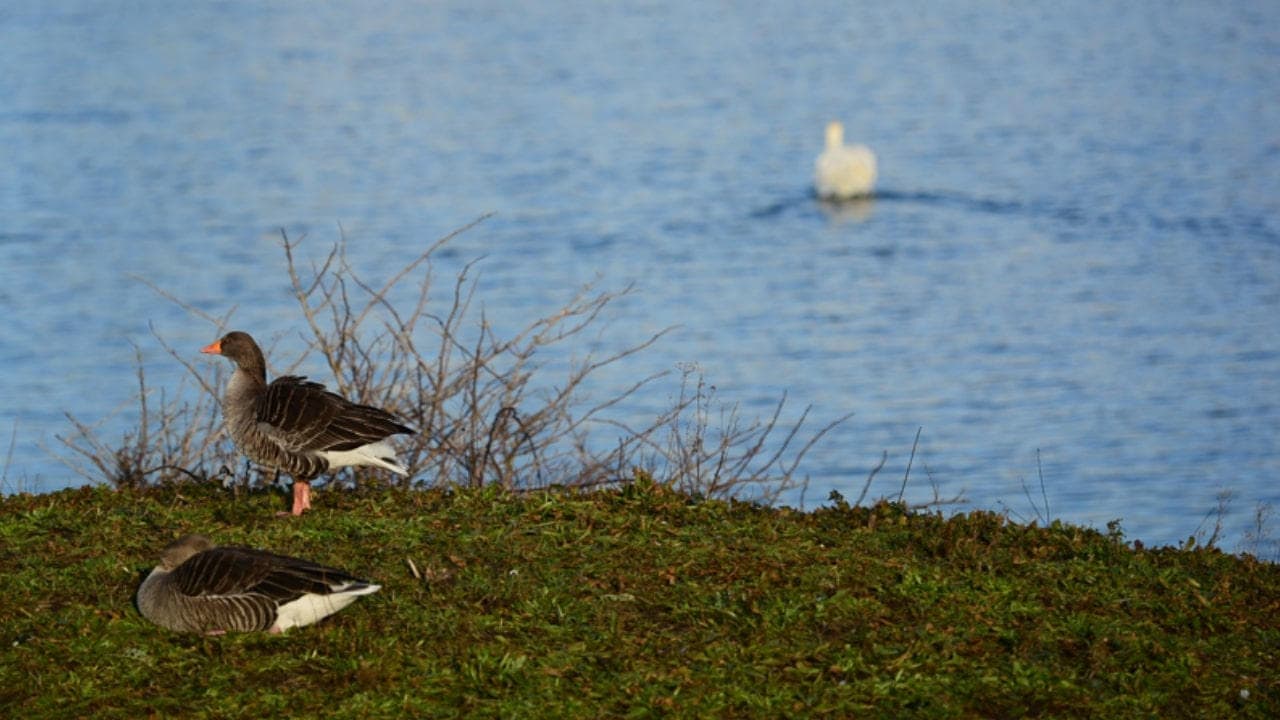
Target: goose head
182, 549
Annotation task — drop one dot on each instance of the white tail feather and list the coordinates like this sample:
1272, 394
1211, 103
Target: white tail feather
379, 454
312, 607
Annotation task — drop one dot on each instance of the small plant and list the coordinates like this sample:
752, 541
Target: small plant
708, 450
8, 462
1258, 540
1219, 514
1043, 515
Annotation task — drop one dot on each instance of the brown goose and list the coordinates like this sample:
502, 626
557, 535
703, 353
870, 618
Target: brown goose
298, 427
198, 587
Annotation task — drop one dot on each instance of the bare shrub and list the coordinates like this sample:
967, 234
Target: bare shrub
704, 447
173, 440
1258, 540
472, 397
1219, 513
484, 410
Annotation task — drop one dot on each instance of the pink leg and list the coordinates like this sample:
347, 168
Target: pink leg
301, 498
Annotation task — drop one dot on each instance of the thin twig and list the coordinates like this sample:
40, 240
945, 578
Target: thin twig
871, 476
907, 474
1048, 516
8, 458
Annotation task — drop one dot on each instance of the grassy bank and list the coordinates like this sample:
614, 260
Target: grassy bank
635, 603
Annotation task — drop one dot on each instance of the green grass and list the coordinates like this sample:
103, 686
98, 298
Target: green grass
635, 603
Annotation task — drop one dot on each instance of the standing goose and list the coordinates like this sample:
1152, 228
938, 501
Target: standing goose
844, 172
200, 588
298, 427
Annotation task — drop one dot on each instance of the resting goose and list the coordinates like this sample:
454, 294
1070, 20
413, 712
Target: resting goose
298, 427
843, 172
200, 588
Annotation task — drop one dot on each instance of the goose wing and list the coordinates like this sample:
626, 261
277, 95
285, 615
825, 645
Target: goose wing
233, 571
301, 416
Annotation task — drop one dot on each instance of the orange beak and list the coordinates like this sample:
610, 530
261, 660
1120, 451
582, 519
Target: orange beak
213, 349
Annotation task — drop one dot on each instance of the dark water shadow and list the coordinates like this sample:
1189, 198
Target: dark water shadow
862, 206
779, 207
942, 198
1068, 214
855, 209
1112, 219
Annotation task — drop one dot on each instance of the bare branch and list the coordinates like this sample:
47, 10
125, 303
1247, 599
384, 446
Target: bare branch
484, 407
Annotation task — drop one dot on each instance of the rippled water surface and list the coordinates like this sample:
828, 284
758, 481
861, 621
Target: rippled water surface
1075, 252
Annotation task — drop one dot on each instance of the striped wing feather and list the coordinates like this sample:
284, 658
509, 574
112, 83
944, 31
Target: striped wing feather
301, 416
230, 571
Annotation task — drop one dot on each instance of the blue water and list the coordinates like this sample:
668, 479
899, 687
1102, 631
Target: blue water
1075, 254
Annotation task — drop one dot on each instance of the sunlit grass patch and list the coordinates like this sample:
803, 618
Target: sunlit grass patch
636, 602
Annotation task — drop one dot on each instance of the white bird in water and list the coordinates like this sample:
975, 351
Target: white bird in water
844, 172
